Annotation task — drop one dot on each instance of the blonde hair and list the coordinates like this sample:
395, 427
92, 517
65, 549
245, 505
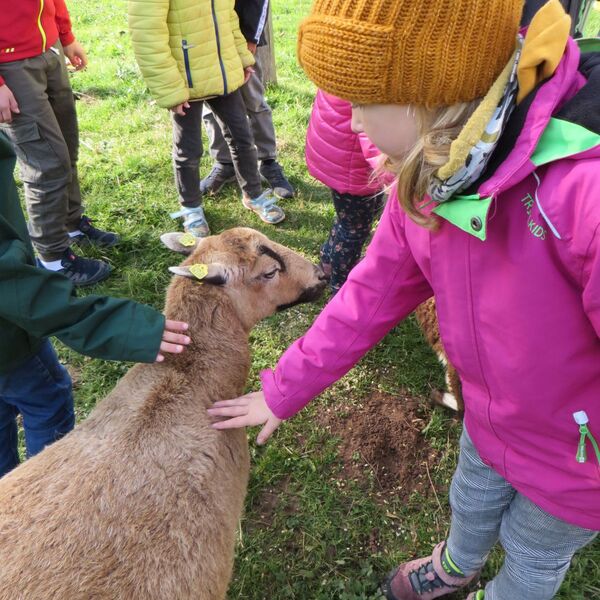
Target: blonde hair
437, 129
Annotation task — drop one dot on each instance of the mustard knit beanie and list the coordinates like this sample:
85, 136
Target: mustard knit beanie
422, 52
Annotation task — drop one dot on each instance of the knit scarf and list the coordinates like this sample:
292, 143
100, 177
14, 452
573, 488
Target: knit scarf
471, 151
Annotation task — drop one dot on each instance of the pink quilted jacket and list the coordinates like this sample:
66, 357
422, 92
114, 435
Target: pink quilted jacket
339, 158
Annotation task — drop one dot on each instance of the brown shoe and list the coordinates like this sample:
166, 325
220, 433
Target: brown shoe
423, 579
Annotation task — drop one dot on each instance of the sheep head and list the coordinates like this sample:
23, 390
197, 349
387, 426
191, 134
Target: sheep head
258, 275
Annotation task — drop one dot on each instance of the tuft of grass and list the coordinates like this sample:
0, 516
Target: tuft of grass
308, 533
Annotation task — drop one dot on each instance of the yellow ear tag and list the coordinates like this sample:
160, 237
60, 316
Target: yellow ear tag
187, 239
199, 270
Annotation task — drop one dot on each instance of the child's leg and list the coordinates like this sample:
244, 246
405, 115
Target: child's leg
43, 155
40, 389
230, 110
9, 453
478, 498
60, 96
539, 549
187, 151
351, 228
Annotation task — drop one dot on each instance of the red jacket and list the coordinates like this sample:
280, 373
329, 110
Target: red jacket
29, 27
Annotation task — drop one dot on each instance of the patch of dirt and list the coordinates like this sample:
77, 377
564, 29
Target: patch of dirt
383, 436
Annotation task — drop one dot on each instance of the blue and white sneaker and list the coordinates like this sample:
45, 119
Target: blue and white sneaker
194, 221
265, 206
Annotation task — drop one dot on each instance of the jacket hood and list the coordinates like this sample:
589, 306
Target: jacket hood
559, 119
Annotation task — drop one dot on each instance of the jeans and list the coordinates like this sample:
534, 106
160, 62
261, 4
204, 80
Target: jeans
259, 114
230, 111
485, 509
40, 390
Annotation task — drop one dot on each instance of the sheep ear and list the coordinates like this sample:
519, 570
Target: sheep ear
184, 243
215, 273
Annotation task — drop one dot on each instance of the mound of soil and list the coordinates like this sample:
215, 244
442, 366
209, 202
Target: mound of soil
383, 436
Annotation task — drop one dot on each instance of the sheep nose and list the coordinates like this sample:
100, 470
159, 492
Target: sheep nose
320, 274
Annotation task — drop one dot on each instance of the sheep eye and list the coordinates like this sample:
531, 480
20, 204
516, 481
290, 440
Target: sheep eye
270, 274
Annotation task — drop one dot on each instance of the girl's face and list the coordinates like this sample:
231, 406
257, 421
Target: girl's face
391, 127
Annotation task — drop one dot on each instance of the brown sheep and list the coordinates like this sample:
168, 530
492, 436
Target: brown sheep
142, 500
427, 318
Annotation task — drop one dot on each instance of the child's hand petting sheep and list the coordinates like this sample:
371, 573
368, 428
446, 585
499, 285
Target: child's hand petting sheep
173, 341
247, 410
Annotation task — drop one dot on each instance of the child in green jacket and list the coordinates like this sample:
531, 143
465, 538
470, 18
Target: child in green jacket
36, 303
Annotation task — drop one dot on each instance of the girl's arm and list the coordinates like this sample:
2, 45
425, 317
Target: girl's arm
381, 291
385, 287
591, 281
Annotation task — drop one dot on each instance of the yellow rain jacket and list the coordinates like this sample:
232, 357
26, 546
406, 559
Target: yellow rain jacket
188, 49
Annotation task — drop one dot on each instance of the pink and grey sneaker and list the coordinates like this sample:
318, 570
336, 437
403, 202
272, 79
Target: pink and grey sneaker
425, 578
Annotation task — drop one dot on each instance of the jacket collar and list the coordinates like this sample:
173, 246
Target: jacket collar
548, 125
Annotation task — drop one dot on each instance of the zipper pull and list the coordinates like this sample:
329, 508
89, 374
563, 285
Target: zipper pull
582, 420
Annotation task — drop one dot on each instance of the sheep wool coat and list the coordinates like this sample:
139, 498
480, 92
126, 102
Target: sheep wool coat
515, 270
188, 49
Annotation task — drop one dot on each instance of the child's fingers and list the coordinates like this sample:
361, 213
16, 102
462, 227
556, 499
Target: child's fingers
176, 325
266, 432
234, 423
228, 411
241, 401
175, 338
171, 348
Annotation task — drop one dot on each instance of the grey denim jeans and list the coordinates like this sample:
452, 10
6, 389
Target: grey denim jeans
487, 509
187, 146
45, 137
261, 122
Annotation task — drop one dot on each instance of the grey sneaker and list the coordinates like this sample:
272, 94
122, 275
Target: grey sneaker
272, 172
220, 175
194, 221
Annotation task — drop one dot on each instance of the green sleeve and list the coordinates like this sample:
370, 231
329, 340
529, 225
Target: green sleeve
44, 303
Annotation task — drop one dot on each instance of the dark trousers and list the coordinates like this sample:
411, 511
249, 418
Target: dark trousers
40, 390
230, 111
354, 216
260, 116
45, 136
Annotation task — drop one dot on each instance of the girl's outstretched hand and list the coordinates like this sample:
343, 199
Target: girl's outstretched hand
244, 411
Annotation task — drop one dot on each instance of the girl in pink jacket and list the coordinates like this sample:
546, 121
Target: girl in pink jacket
344, 161
495, 137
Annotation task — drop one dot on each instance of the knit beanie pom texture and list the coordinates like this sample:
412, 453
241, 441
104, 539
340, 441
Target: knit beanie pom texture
422, 52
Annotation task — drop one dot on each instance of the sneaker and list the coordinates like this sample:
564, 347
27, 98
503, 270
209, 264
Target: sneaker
272, 172
219, 175
92, 235
478, 595
265, 206
82, 271
194, 221
425, 578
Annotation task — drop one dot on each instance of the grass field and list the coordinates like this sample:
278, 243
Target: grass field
310, 530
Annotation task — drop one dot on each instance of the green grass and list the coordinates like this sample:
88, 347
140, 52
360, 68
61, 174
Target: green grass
306, 533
